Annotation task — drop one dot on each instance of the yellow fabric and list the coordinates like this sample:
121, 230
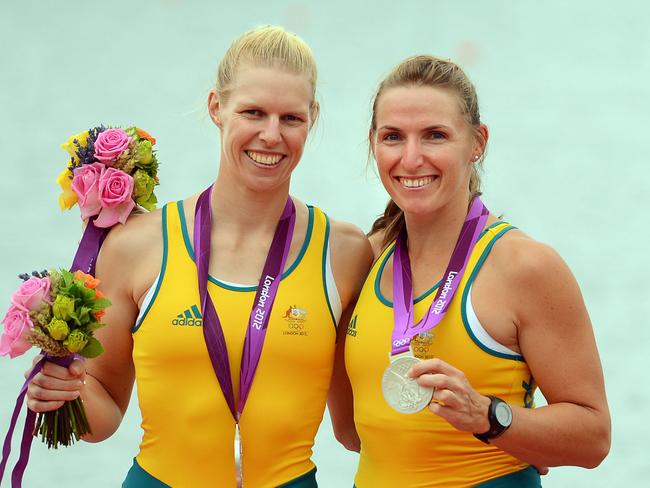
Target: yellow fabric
423, 450
188, 429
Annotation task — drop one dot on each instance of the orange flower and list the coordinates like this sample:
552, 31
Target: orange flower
89, 280
99, 294
99, 315
145, 135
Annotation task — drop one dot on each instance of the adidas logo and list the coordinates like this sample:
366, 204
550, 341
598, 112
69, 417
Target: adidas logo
191, 316
352, 327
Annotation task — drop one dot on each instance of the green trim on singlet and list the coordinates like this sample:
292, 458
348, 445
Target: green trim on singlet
468, 286
387, 302
324, 269
307, 480
303, 250
380, 295
139, 478
163, 266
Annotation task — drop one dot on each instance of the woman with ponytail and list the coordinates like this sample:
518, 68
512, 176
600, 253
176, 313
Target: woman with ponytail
462, 316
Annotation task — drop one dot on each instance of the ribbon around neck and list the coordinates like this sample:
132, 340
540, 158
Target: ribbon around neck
262, 305
404, 329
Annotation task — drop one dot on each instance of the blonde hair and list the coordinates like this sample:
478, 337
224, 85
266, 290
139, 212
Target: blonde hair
267, 46
425, 70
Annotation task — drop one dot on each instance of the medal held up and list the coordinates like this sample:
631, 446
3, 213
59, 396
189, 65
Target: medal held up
402, 393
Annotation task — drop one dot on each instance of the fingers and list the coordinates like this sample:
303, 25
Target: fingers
433, 366
53, 385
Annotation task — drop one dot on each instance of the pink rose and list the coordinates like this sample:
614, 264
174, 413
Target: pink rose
115, 196
17, 324
110, 144
85, 184
31, 294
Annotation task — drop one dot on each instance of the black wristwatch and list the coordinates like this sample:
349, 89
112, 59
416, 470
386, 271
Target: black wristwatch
500, 418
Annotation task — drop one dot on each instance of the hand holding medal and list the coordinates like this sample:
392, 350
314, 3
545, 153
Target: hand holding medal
402, 392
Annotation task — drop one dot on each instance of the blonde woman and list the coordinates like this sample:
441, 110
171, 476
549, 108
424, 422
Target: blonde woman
225, 304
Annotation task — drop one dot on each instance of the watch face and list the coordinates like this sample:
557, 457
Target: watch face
503, 414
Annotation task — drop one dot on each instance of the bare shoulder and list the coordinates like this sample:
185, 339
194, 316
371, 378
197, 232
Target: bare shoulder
351, 258
377, 242
348, 242
527, 261
538, 285
131, 240
131, 254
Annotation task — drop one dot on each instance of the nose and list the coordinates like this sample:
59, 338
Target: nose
412, 156
270, 133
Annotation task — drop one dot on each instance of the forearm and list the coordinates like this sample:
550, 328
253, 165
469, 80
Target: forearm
103, 412
557, 434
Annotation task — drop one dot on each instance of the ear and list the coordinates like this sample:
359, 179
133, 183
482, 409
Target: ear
371, 142
314, 112
214, 108
481, 139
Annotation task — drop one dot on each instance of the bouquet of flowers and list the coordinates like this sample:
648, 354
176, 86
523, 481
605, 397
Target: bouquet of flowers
57, 311
110, 171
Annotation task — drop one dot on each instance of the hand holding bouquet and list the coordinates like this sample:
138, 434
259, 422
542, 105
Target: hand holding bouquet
57, 311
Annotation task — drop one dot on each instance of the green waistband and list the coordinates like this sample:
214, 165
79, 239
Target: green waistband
526, 478
139, 478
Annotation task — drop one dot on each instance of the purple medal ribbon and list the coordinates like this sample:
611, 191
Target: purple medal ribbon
404, 329
262, 306
84, 260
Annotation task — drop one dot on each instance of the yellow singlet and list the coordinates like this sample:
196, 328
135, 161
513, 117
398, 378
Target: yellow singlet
188, 428
423, 450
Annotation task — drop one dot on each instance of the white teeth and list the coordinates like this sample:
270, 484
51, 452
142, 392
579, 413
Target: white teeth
265, 159
415, 182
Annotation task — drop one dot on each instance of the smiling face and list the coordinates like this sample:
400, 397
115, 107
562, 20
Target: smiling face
424, 148
264, 120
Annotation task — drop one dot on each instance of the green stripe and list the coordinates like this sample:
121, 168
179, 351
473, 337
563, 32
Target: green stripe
190, 251
197, 314
468, 286
325, 247
387, 302
163, 267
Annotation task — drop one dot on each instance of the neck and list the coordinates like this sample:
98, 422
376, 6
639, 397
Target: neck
434, 235
244, 211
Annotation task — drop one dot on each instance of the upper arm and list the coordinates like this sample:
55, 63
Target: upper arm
121, 274
351, 259
553, 326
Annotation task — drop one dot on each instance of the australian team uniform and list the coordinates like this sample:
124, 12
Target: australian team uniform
188, 427
422, 449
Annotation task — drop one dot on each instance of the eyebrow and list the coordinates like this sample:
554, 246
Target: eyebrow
426, 129
259, 106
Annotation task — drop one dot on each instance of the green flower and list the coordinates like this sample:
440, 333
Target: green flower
144, 153
63, 307
143, 186
76, 341
58, 329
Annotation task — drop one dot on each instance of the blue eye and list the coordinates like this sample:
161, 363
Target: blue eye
292, 118
252, 112
391, 137
437, 135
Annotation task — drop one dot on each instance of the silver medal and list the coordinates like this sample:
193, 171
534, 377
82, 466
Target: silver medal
402, 393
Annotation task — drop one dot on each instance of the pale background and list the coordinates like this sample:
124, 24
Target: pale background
563, 86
